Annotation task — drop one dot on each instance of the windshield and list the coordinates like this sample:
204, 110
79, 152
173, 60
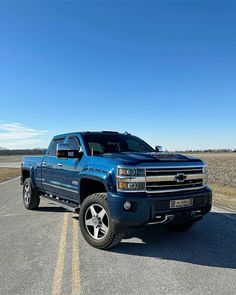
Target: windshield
101, 143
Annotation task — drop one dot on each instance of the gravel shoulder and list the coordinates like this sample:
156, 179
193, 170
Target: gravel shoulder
224, 196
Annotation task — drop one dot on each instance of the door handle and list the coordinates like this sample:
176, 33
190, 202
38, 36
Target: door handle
44, 163
60, 164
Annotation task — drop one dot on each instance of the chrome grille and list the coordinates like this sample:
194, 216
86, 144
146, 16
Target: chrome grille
160, 180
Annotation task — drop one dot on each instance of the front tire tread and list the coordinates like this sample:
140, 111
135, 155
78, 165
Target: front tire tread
34, 196
112, 238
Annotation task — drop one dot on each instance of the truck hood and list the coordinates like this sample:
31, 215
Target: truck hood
139, 158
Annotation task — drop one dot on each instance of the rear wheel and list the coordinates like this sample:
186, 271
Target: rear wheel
96, 223
31, 197
180, 227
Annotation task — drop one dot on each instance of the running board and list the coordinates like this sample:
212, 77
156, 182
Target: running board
62, 203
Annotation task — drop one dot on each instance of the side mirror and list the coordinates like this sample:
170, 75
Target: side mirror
75, 153
80, 153
62, 150
158, 148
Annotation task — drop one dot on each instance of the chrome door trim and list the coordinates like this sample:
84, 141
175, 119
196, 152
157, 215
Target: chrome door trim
60, 187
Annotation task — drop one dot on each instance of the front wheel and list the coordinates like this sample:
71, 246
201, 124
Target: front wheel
31, 197
96, 223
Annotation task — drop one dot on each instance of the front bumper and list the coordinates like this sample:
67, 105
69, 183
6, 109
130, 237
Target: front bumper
150, 208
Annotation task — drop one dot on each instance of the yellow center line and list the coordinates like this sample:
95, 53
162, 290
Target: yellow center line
75, 280
60, 258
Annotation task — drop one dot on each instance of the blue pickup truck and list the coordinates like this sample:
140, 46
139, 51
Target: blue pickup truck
117, 183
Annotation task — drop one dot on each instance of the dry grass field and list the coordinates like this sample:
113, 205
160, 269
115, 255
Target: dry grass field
9, 173
222, 177
221, 167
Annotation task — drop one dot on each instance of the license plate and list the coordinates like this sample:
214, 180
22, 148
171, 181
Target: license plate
181, 203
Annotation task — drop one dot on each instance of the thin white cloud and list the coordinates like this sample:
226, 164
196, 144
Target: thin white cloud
17, 135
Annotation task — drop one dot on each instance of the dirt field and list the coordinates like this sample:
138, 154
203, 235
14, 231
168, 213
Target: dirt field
221, 167
8, 173
222, 177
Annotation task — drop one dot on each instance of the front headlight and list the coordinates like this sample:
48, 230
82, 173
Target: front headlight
130, 179
127, 171
130, 186
130, 172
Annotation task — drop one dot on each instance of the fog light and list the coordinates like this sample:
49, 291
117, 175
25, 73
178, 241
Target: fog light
127, 205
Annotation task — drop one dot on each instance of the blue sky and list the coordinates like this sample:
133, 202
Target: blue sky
165, 71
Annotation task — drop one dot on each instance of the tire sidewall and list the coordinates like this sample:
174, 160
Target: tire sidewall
27, 181
34, 199
95, 199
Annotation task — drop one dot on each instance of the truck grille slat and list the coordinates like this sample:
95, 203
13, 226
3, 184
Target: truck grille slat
174, 179
173, 170
175, 184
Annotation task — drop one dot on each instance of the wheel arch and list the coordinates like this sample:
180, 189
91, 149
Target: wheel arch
25, 174
28, 173
91, 185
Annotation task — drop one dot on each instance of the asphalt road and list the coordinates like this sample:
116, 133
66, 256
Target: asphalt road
43, 252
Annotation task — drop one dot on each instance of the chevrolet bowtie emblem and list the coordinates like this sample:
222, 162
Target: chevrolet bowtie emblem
180, 177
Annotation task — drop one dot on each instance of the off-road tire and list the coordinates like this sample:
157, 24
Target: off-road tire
112, 238
33, 199
180, 227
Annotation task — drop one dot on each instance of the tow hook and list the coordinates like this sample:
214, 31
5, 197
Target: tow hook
197, 213
162, 218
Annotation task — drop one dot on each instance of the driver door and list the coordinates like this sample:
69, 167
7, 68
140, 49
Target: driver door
69, 170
